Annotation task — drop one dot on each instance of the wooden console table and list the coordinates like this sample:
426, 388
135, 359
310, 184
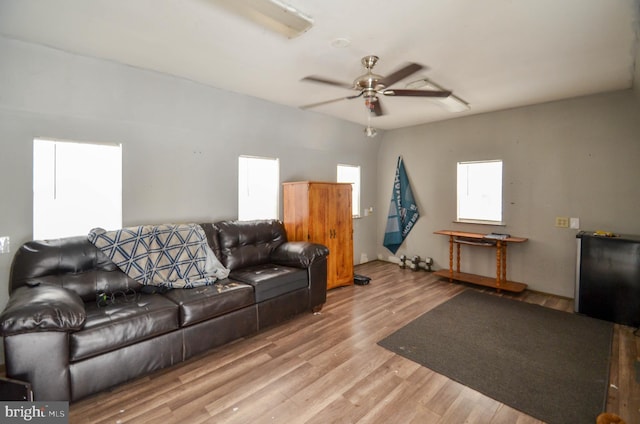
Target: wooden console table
500, 281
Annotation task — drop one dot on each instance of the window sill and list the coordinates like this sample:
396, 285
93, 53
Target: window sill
480, 222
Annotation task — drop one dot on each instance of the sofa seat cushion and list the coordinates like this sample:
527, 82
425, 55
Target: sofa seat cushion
202, 303
122, 323
269, 280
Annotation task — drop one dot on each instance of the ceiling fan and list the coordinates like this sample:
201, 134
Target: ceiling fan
371, 85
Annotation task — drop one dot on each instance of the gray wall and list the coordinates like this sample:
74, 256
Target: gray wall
575, 158
180, 140
571, 158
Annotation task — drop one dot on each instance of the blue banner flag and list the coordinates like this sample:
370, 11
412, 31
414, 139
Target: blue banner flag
403, 211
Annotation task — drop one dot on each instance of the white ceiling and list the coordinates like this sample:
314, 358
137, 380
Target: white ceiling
495, 54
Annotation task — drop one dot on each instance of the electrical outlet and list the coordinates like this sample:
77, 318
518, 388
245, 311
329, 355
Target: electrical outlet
574, 223
4, 244
562, 222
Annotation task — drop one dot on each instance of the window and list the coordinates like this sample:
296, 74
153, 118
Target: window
351, 174
480, 191
76, 187
258, 188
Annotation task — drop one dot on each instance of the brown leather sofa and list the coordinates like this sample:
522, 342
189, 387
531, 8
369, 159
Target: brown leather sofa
68, 344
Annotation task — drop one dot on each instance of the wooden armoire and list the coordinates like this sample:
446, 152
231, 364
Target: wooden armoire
320, 212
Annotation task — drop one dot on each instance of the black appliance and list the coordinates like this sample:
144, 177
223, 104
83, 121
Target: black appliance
608, 277
15, 390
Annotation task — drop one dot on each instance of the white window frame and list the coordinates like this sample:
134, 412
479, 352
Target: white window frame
351, 174
479, 192
77, 186
258, 197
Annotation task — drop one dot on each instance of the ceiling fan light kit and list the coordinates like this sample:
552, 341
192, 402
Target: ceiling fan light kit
370, 132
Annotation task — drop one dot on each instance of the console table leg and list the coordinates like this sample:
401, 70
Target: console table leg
451, 259
498, 264
504, 262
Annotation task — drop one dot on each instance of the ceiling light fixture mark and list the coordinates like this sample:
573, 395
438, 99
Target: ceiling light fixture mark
340, 43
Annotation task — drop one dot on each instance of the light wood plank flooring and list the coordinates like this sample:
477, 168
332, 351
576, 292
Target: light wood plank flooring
327, 368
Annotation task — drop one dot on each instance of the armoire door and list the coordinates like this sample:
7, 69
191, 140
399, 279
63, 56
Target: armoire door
322, 220
342, 225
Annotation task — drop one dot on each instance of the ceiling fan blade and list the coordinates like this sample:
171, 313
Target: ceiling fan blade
326, 102
322, 80
401, 74
417, 93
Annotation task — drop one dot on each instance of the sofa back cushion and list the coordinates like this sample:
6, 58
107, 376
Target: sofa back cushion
212, 237
72, 262
248, 243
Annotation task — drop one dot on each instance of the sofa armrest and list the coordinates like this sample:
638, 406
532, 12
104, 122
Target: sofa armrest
299, 254
42, 308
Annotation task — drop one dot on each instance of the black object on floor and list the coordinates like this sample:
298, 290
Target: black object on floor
15, 390
361, 280
549, 364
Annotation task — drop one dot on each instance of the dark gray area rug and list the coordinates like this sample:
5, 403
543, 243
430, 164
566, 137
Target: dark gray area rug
549, 364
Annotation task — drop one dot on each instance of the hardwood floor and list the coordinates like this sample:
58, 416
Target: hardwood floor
327, 368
